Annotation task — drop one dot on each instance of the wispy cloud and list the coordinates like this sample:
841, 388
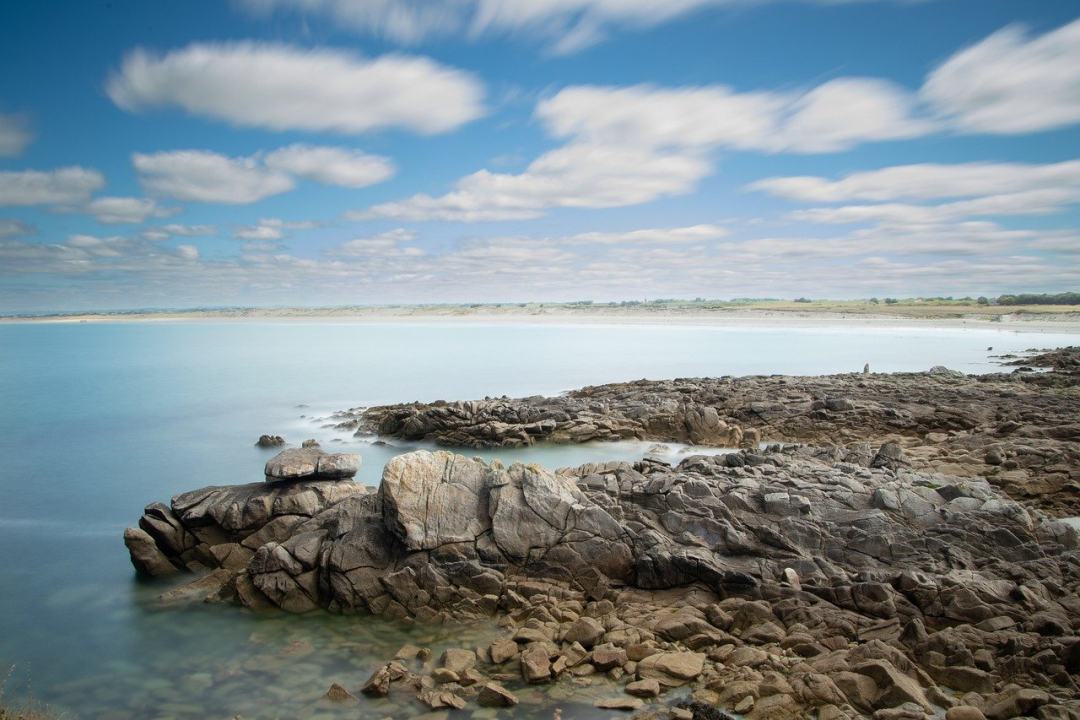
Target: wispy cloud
565, 26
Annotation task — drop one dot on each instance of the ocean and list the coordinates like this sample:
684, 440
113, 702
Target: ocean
99, 419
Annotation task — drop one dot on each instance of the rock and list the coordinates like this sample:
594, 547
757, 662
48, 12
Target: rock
607, 656
294, 464
745, 705
535, 664
964, 712
584, 630
619, 703
378, 685
338, 694
672, 669
646, 688
145, 555
457, 660
310, 462
495, 695
270, 441
890, 455
503, 650
964, 679
1014, 702
444, 675
338, 465
894, 688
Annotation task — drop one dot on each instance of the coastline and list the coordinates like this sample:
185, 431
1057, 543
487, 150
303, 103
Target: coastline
1024, 321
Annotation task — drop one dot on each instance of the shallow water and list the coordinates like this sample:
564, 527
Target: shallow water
96, 420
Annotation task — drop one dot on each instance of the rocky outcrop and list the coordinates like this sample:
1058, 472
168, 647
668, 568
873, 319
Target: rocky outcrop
879, 583
1017, 430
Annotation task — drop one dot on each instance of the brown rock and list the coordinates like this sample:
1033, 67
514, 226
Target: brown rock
535, 664
495, 695
646, 688
337, 693
620, 703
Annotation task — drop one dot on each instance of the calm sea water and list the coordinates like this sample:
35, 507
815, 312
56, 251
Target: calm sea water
96, 420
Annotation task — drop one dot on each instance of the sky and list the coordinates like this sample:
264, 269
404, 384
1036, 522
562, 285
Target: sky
352, 152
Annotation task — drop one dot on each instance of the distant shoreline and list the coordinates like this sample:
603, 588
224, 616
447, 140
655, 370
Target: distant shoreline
1019, 319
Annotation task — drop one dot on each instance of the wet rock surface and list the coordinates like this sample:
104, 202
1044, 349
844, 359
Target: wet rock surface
1019, 429
842, 580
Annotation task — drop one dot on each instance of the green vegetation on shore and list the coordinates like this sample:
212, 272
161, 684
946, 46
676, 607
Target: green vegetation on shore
1045, 306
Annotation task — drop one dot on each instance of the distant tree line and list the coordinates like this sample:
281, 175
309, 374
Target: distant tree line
1066, 298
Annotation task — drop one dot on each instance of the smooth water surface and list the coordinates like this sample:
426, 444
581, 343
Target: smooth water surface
97, 420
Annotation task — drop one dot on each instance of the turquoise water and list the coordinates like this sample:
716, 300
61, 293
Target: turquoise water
96, 420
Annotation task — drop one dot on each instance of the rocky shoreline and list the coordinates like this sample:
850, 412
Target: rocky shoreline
882, 546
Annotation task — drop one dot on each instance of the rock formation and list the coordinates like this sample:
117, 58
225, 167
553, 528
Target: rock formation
770, 559
1018, 430
840, 578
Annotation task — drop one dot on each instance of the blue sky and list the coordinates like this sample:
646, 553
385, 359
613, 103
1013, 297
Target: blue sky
321, 152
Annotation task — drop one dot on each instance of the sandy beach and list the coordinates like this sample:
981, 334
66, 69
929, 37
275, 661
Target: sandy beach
945, 317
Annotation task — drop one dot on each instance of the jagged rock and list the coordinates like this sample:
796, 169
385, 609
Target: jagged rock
495, 695
270, 441
378, 685
586, 631
535, 664
338, 694
147, 558
833, 575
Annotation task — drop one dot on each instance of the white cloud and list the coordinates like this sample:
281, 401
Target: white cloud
14, 137
205, 176
116, 210
187, 252
331, 165
927, 182
202, 176
700, 260
272, 229
259, 232
282, 87
662, 236
1011, 83
631, 145
164, 232
65, 186
384, 244
579, 175
834, 116
15, 228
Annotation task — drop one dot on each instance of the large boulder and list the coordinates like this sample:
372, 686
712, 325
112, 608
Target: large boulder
309, 463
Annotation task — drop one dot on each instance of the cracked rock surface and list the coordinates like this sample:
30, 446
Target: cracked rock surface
842, 579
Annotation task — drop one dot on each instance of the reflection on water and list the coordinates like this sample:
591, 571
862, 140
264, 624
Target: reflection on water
98, 420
